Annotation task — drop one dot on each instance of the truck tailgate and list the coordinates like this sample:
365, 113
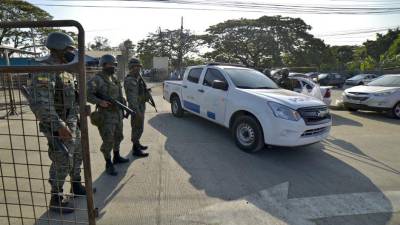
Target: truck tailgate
172, 86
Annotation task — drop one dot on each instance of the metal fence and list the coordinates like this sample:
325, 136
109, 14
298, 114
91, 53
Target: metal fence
24, 152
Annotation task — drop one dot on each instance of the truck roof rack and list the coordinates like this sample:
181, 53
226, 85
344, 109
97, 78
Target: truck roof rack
225, 64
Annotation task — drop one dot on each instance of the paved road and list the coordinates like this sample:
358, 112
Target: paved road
194, 167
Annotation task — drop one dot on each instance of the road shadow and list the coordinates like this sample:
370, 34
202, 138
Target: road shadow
106, 188
378, 116
338, 120
217, 167
349, 150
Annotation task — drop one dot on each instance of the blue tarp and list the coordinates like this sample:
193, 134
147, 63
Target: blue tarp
90, 61
19, 61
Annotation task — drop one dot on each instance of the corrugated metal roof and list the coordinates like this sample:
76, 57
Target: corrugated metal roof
3, 47
98, 54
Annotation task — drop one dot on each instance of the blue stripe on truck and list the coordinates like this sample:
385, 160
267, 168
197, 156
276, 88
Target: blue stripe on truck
191, 106
211, 115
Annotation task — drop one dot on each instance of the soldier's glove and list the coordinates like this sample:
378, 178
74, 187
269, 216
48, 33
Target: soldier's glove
64, 133
105, 104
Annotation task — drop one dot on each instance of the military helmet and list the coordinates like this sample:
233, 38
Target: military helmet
134, 62
107, 59
59, 41
285, 71
266, 71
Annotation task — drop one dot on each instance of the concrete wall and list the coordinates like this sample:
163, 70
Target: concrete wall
161, 66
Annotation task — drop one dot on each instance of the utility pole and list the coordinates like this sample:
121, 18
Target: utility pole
33, 37
180, 53
160, 35
12, 110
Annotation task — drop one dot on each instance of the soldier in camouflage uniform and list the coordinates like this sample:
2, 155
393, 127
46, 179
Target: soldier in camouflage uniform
110, 129
53, 99
285, 82
135, 93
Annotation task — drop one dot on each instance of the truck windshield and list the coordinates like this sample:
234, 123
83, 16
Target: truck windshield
250, 79
386, 81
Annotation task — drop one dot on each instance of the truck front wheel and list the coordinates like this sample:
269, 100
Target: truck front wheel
176, 107
248, 134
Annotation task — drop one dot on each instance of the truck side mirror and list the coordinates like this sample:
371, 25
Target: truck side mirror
217, 84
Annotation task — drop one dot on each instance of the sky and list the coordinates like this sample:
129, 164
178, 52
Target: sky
120, 20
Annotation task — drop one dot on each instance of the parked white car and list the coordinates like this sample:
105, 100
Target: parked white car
308, 87
381, 94
251, 105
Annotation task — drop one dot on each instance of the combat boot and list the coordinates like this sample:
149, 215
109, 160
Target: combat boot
110, 170
77, 188
58, 205
142, 147
139, 152
118, 158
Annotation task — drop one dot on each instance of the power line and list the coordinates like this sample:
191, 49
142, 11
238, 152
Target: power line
355, 32
386, 4
246, 7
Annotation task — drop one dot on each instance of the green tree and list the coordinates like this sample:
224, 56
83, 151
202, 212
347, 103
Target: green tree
128, 47
313, 53
257, 42
394, 49
167, 43
382, 43
343, 55
369, 64
100, 44
12, 10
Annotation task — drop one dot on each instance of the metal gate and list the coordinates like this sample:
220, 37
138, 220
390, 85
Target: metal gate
24, 160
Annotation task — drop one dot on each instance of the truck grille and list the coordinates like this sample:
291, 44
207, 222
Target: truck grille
315, 115
315, 132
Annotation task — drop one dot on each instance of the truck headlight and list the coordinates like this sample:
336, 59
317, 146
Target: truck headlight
383, 93
284, 112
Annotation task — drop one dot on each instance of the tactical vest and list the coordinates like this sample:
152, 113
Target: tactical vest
65, 94
112, 88
142, 87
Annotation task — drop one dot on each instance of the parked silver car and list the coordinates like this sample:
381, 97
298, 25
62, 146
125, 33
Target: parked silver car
360, 79
381, 94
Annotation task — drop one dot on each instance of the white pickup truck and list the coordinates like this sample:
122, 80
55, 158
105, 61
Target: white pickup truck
251, 105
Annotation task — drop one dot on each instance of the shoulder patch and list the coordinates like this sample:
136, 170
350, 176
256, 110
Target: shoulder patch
66, 77
42, 79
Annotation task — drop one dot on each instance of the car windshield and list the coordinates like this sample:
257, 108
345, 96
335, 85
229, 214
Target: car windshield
357, 77
322, 76
250, 79
386, 81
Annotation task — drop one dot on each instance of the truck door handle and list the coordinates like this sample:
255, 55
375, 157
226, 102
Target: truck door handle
201, 90
184, 86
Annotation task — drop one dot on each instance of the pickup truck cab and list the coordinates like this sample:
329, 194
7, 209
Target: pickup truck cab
250, 104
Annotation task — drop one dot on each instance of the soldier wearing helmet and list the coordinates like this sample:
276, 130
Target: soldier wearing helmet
53, 100
135, 90
110, 124
285, 82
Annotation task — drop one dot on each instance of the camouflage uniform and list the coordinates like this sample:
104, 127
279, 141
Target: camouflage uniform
54, 102
286, 83
111, 128
135, 95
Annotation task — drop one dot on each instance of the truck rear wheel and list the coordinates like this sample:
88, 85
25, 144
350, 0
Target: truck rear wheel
248, 134
176, 107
